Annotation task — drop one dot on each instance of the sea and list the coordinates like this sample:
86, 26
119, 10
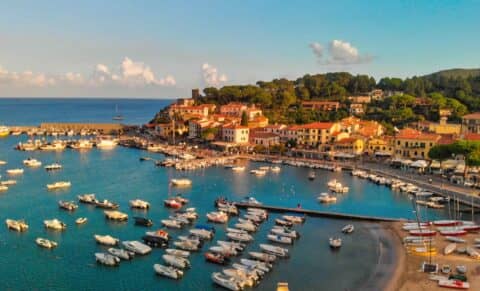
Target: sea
118, 175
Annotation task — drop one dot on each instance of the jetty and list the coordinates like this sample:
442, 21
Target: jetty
318, 213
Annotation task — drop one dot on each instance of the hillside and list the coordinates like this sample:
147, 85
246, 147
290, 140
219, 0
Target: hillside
454, 73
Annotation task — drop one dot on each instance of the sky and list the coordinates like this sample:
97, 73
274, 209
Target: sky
163, 49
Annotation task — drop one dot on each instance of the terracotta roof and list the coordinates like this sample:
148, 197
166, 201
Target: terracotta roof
347, 140
263, 135
409, 133
475, 115
449, 139
317, 125
472, 136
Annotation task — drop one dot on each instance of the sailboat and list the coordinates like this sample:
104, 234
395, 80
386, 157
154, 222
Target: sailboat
117, 115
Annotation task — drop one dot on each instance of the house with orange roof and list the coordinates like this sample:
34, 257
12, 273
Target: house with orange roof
233, 109
316, 134
413, 144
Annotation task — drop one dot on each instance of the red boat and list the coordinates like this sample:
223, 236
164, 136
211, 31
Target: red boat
216, 258
455, 284
423, 232
172, 203
446, 222
471, 228
455, 232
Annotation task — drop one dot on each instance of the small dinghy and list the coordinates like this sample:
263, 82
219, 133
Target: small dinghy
18, 225
450, 248
121, 253
54, 224
216, 258
168, 271
67, 205
348, 228
202, 233
280, 239
139, 204
137, 247
274, 250
177, 262
242, 237
263, 257
283, 222
171, 223
45, 243
177, 253
81, 220
142, 221
107, 259
335, 243
106, 240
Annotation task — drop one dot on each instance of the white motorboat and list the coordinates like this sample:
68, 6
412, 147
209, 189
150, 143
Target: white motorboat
282, 231
31, 162
249, 270
67, 205
139, 204
280, 239
15, 171
121, 253
258, 172
105, 204
246, 226
82, 144
349, 228
106, 240
202, 233
186, 245
54, 224
224, 250
107, 259
326, 198
294, 219
236, 230
178, 262
168, 271
137, 247
230, 244
269, 258
87, 198
81, 220
275, 169
450, 248
335, 242
53, 167
59, 185
265, 267
171, 223
18, 225
106, 143
115, 215
3, 188
2, 162
274, 250
243, 279
238, 169
282, 222
242, 237
217, 217
225, 281
8, 182
177, 253
181, 182
43, 242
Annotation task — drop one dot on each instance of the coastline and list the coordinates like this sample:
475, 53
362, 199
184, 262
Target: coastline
390, 267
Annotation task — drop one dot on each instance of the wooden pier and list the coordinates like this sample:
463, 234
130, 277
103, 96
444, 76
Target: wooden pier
317, 213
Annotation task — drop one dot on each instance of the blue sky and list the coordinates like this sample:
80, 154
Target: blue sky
165, 48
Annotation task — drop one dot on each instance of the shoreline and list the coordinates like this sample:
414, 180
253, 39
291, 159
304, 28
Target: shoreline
390, 267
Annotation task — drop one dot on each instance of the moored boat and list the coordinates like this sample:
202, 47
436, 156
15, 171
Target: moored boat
106, 240
168, 271
137, 247
81, 220
54, 224
121, 253
274, 250
18, 225
226, 281
59, 185
67, 205
216, 258
107, 259
139, 204
335, 243
178, 262
48, 244
349, 228
115, 215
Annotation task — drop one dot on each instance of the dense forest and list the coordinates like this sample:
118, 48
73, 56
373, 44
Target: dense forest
458, 90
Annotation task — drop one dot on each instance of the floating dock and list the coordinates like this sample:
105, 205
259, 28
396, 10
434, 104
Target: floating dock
317, 213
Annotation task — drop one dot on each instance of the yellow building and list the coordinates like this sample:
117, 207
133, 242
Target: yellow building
165, 130
413, 144
316, 133
380, 146
235, 134
350, 145
444, 128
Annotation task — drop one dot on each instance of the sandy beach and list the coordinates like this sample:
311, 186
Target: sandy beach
407, 277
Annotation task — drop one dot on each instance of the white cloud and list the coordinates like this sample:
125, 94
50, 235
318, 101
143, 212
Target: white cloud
317, 49
340, 53
129, 73
211, 77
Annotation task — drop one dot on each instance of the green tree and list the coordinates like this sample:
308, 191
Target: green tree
244, 121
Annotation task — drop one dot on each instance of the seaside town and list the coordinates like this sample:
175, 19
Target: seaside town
240, 145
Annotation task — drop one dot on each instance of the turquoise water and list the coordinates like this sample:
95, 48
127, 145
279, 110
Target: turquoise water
119, 176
